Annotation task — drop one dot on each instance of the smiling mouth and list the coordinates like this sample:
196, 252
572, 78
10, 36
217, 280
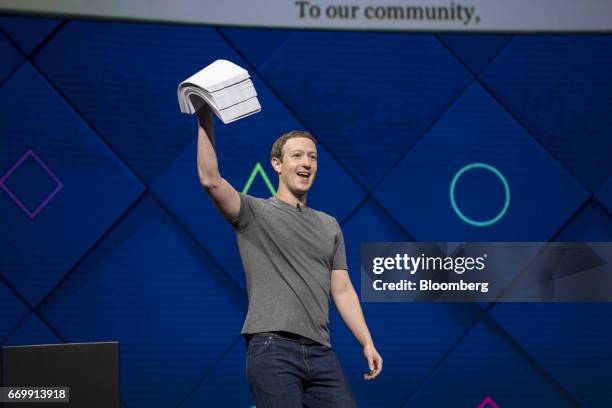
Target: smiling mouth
305, 176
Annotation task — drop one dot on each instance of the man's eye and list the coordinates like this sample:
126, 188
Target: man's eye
313, 157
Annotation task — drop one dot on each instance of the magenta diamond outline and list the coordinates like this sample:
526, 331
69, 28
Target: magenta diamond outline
42, 205
488, 402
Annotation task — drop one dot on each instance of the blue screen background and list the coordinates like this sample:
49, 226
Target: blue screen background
106, 233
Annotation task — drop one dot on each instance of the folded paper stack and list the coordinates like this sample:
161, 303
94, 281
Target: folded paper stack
225, 87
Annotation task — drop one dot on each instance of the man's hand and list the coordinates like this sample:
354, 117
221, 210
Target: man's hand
205, 121
375, 362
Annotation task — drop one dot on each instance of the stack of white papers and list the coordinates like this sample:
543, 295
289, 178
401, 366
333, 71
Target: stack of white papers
225, 87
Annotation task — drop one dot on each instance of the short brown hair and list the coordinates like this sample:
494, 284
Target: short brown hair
277, 147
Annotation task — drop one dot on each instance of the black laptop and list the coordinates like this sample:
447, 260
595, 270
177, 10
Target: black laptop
90, 371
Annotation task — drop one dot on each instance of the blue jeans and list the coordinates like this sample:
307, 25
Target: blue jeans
287, 373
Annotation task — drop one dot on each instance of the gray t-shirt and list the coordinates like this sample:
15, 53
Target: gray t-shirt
288, 254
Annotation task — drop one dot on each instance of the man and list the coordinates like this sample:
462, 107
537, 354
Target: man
293, 257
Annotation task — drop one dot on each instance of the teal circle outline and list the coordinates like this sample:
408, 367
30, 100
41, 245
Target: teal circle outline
463, 217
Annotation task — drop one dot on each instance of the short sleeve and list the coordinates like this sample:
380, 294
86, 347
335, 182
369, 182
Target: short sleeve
339, 258
250, 207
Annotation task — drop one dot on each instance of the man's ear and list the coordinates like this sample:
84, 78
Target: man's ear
276, 164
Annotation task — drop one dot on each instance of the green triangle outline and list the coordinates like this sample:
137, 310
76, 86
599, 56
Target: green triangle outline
258, 169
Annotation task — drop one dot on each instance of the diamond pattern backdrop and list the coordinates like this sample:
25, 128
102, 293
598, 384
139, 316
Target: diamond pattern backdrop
107, 235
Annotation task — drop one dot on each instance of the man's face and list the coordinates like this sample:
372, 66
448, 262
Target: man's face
298, 169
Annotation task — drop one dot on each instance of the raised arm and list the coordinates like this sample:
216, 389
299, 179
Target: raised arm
224, 196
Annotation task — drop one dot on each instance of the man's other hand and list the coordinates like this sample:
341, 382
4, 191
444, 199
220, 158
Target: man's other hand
375, 362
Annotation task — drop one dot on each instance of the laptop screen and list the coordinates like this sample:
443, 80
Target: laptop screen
85, 374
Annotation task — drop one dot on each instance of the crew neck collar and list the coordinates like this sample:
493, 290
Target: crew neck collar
286, 204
